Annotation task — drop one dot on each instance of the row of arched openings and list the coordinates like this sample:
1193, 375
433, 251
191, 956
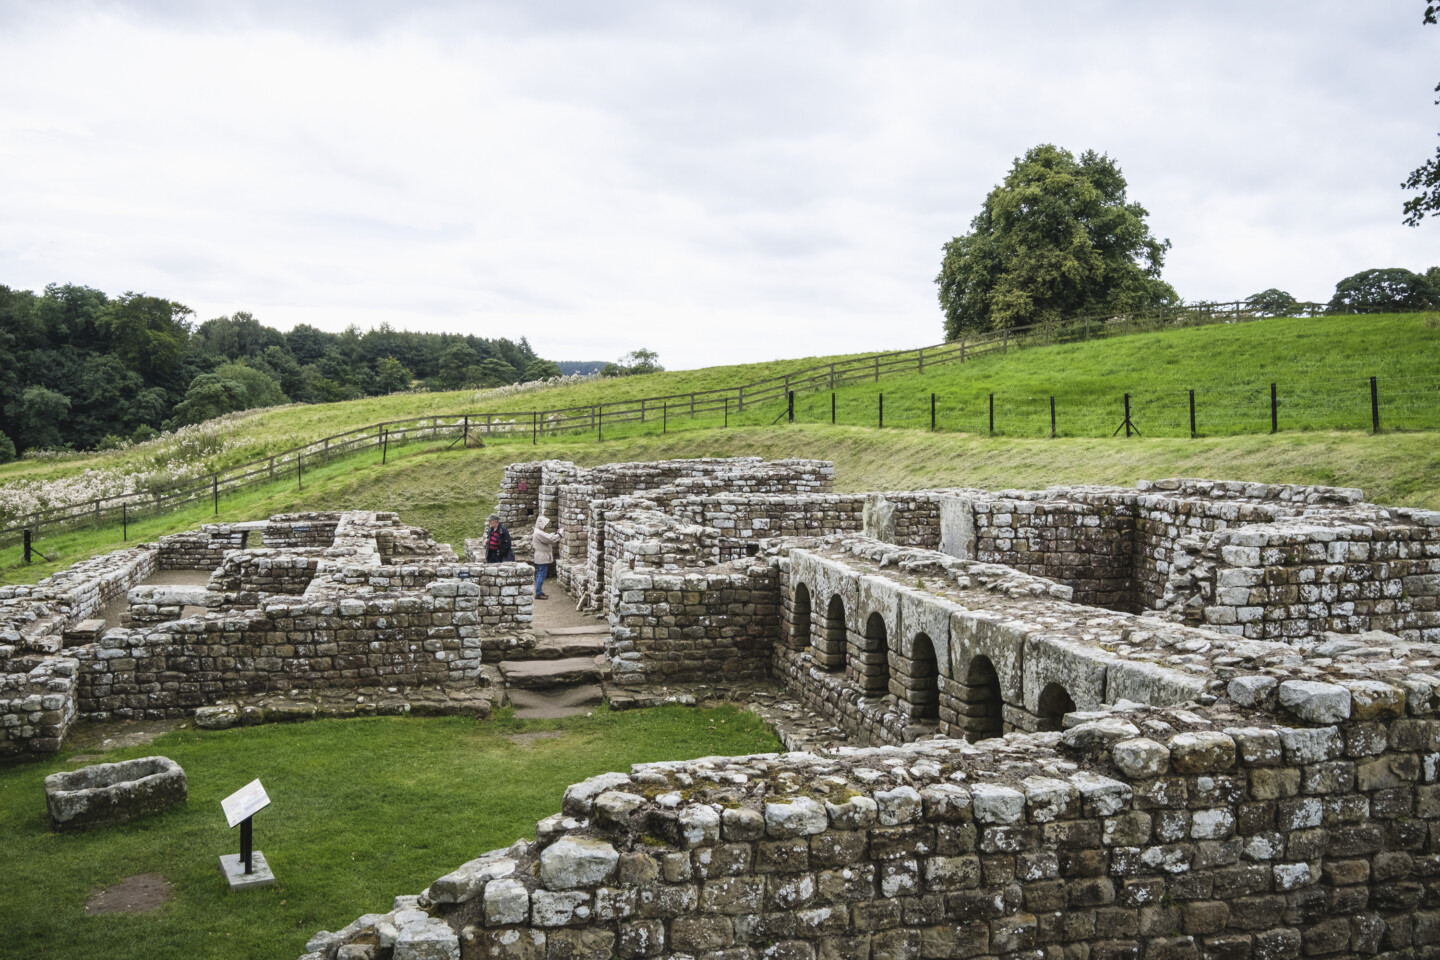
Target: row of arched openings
980, 706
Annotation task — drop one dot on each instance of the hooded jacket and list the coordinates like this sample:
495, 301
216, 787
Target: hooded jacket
544, 542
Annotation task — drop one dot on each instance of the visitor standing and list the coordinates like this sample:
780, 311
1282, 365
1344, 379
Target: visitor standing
544, 554
497, 542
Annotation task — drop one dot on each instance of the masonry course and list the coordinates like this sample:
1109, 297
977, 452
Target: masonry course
1187, 719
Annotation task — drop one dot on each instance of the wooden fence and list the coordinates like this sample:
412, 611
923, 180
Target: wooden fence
535, 424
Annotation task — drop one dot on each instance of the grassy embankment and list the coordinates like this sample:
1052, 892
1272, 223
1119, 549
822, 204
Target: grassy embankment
362, 810
1321, 366
449, 491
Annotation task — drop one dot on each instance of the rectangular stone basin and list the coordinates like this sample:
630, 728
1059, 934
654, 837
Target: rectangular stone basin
111, 793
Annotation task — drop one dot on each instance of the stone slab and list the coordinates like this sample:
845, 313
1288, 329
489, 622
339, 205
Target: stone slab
561, 702
543, 674
238, 879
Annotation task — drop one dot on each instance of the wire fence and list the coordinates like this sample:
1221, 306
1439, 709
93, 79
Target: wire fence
1372, 404
810, 395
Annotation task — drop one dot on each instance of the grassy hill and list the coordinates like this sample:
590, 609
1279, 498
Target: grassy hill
1322, 365
450, 491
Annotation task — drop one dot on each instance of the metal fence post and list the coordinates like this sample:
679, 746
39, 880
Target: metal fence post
882, 409
534, 427
1052, 418
992, 414
1374, 406
932, 413
1274, 411
790, 405
832, 408
1192, 414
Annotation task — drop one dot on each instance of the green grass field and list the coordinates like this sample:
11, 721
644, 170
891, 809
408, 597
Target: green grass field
450, 491
1322, 366
362, 810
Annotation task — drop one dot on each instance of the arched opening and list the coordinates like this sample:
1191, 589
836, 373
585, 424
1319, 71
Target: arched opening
924, 685
800, 617
1054, 703
828, 643
873, 668
981, 706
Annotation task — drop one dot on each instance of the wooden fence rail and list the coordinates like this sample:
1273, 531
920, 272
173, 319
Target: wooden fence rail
595, 417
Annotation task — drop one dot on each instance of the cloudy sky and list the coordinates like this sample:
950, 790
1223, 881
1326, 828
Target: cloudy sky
719, 182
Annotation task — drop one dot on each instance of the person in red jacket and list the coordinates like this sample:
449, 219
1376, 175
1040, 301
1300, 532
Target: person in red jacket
497, 542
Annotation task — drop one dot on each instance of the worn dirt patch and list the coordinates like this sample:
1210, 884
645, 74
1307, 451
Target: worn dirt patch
138, 894
114, 734
531, 737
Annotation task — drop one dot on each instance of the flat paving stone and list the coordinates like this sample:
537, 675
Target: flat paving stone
562, 648
542, 674
556, 702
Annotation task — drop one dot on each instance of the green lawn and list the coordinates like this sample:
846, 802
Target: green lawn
450, 491
362, 810
1321, 367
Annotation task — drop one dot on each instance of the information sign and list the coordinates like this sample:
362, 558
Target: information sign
245, 802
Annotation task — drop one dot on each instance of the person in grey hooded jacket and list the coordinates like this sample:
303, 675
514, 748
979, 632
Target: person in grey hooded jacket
544, 554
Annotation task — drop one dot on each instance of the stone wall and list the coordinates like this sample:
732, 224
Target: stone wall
37, 702
1302, 579
1163, 835
696, 627
291, 530
269, 571
202, 549
748, 518
1087, 546
440, 635
35, 616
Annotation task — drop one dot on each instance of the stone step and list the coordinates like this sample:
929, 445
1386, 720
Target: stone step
559, 702
597, 629
562, 648
547, 674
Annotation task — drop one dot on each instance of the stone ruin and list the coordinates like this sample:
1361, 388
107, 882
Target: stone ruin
1191, 719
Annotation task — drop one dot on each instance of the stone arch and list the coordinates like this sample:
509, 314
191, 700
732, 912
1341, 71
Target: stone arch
871, 661
800, 617
827, 644
1055, 701
981, 707
922, 685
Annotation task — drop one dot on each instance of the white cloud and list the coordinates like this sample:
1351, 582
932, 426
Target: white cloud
719, 182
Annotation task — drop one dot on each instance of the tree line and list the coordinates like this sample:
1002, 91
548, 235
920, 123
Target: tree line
82, 370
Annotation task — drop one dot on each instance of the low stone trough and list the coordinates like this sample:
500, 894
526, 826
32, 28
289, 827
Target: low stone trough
109, 793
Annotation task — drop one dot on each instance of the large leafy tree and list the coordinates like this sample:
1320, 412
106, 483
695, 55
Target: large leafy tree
1387, 289
1059, 237
1426, 177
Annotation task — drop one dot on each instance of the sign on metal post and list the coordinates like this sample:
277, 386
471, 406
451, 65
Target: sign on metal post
247, 868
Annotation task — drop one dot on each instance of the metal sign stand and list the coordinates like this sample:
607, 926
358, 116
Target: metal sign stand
247, 869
